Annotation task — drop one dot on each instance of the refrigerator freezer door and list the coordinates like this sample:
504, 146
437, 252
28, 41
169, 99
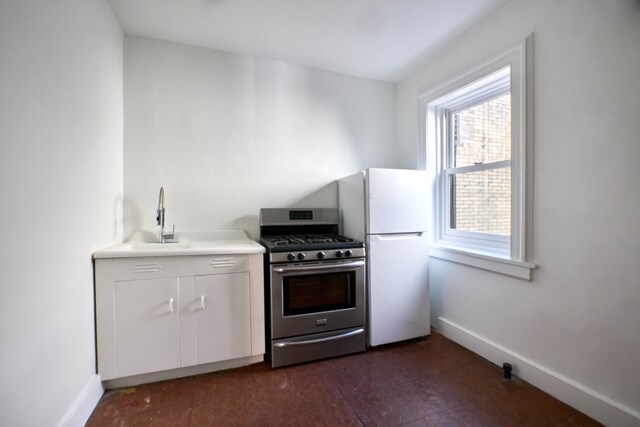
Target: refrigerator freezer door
398, 287
397, 201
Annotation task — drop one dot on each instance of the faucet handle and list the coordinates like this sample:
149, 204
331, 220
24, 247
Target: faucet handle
170, 236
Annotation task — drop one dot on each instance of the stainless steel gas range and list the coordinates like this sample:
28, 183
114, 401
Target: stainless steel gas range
315, 289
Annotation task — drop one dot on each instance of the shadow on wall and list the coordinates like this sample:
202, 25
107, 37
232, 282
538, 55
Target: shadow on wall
324, 197
118, 221
249, 223
132, 217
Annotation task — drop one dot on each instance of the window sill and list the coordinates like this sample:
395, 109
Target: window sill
508, 267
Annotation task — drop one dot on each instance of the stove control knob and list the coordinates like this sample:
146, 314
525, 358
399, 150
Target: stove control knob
321, 255
291, 257
301, 256
339, 254
348, 253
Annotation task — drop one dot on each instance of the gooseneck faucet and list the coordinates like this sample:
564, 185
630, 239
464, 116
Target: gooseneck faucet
160, 219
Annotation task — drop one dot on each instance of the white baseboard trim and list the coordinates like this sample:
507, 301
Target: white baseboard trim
181, 372
78, 414
585, 400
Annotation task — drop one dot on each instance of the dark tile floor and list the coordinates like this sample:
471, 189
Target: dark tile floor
432, 382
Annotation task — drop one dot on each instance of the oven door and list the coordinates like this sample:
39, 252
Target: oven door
307, 298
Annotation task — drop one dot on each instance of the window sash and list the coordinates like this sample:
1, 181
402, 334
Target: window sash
478, 167
490, 242
497, 89
476, 238
482, 240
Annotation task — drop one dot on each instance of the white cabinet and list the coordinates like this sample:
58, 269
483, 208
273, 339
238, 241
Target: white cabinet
147, 326
161, 313
223, 318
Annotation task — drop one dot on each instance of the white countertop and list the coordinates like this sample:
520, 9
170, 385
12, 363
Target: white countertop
205, 242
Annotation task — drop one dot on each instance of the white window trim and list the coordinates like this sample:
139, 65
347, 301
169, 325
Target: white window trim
431, 157
490, 87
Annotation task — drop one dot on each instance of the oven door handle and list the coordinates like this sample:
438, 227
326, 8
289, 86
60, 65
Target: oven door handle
315, 268
318, 340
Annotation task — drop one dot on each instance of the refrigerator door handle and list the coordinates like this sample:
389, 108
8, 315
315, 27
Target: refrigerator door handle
398, 236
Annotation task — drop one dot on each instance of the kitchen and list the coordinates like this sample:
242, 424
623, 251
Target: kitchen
94, 122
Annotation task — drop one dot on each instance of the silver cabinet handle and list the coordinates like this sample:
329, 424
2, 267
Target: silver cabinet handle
307, 342
171, 305
327, 267
202, 302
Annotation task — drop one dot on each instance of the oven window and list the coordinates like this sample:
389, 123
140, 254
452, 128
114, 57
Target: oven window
316, 293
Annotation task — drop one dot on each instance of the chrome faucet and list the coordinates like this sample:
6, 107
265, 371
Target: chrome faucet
160, 219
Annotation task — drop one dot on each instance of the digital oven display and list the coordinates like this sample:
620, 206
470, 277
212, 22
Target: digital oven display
300, 215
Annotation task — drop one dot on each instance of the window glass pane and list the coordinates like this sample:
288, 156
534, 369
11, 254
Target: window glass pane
482, 134
481, 201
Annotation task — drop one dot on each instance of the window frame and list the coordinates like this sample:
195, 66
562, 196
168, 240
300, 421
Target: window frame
472, 248
497, 84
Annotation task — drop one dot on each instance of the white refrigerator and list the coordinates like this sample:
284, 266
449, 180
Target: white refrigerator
388, 210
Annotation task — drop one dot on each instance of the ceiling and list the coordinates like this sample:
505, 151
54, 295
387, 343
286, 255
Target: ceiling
376, 39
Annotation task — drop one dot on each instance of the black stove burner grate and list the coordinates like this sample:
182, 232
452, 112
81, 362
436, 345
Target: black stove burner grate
282, 230
280, 243
304, 239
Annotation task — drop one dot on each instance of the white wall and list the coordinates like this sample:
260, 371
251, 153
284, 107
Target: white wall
61, 192
227, 134
574, 328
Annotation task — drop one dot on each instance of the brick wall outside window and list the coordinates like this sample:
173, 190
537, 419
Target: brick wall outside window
483, 199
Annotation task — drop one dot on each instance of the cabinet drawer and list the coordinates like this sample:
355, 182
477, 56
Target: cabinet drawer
219, 264
157, 267
151, 268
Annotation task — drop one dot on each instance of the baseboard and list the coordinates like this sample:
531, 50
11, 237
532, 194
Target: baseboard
181, 372
585, 400
85, 403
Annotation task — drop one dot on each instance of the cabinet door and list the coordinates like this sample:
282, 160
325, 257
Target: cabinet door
147, 326
223, 319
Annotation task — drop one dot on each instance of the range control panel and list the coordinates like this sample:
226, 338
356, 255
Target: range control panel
318, 255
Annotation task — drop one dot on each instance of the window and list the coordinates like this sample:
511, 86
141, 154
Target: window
476, 171
474, 145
